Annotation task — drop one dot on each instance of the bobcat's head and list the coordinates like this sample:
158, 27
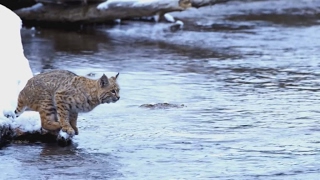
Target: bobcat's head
108, 89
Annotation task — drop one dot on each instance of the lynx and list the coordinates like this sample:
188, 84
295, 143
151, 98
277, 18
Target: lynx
59, 95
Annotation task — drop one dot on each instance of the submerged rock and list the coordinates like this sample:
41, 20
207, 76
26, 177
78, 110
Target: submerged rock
162, 106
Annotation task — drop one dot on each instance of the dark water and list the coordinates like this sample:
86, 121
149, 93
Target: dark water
247, 73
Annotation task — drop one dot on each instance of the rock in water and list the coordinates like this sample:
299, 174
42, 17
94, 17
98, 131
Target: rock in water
162, 106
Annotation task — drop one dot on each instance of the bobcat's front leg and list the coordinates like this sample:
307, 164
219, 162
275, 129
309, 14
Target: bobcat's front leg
64, 122
63, 115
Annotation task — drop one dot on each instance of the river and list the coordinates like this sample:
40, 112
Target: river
244, 75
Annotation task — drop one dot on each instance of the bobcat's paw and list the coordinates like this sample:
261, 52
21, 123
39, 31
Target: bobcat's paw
69, 130
76, 131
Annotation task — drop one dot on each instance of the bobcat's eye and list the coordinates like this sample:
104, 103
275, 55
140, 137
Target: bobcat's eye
113, 92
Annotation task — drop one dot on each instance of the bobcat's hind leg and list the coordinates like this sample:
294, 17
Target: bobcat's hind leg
73, 116
48, 116
48, 123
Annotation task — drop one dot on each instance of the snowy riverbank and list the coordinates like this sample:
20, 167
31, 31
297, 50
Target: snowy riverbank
14, 74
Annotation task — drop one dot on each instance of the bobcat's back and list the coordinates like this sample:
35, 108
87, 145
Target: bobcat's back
48, 82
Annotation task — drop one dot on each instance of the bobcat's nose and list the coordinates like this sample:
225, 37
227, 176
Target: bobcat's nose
118, 97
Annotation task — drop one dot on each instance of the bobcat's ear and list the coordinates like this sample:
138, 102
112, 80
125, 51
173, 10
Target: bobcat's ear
103, 81
117, 76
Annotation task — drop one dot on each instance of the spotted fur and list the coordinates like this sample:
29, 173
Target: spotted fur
59, 96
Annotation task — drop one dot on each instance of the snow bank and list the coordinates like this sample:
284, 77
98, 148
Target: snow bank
14, 72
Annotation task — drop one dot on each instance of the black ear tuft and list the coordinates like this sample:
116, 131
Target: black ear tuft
104, 81
117, 76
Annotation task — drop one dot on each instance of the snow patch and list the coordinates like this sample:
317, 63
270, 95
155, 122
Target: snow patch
34, 7
123, 3
64, 135
169, 18
117, 21
5, 122
180, 23
103, 6
156, 17
28, 122
137, 3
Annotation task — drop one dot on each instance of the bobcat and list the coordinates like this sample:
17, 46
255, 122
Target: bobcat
61, 95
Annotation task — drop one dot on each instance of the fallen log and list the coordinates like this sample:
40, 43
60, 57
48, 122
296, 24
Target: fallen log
99, 13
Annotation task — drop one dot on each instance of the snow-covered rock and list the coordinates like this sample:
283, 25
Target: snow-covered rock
15, 71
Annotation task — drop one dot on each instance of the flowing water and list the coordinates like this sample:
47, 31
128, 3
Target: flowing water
248, 75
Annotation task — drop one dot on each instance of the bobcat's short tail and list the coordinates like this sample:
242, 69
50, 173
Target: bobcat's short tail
20, 108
